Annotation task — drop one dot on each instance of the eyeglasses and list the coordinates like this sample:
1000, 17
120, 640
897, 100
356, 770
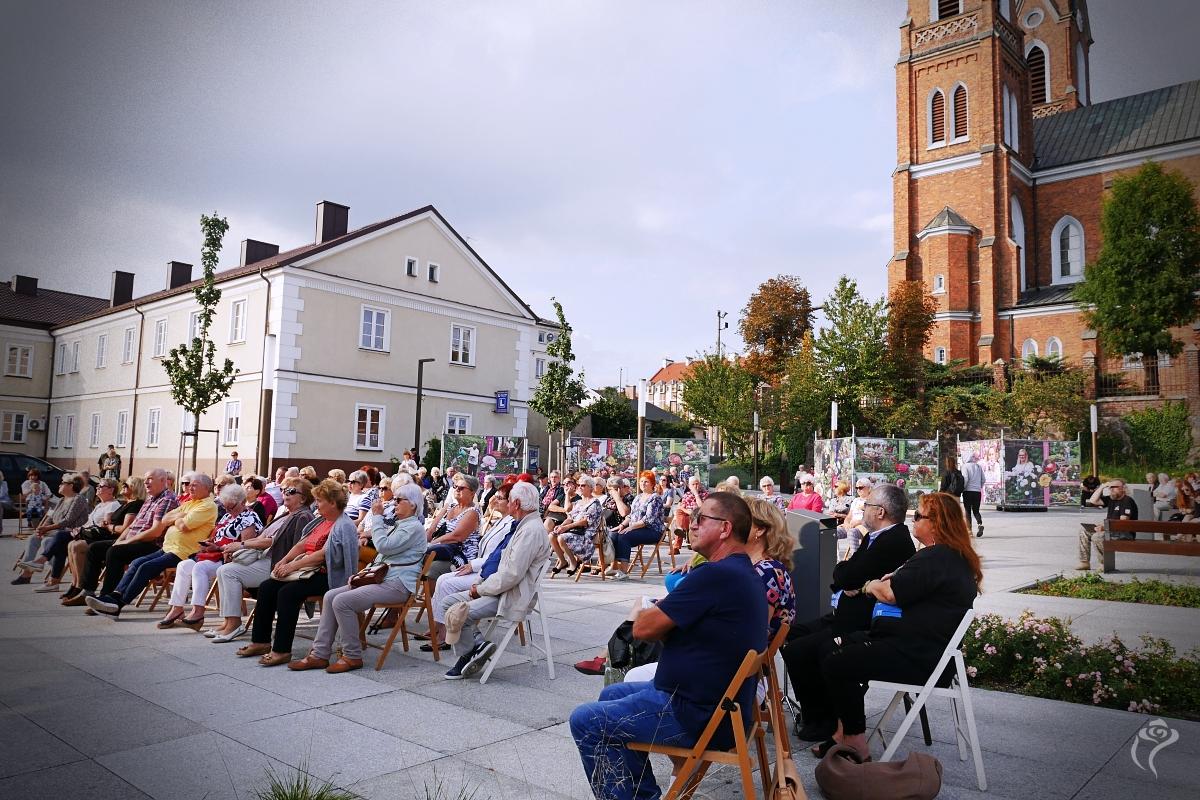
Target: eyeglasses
710, 517
918, 516
185, 483
291, 492
873, 504
861, 488
352, 480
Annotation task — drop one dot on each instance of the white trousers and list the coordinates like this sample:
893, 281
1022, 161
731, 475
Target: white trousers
196, 576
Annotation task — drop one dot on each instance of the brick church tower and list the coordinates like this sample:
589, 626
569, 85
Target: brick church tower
972, 77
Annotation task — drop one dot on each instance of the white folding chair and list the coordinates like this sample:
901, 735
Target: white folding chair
959, 693
535, 609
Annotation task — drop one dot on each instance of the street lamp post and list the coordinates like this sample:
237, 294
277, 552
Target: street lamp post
756, 448
721, 325
641, 429
421, 362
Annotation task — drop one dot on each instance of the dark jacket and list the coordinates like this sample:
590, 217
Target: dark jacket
891, 548
286, 538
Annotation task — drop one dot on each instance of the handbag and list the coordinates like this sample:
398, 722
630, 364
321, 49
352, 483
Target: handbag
842, 776
94, 533
246, 556
301, 574
369, 575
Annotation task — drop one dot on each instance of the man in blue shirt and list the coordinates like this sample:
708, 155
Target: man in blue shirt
706, 625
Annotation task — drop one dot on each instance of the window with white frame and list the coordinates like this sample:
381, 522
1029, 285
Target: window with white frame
193, 326
1029, 348
458, 423
373, 332
435, 272
102, 351
1037, 63
1054, 348
160, 338
940, 9
75, 347
410, 267
12, 427
541, 337
69, 432
939, 355
122, 437
94, 430
60, 363
539, 367
18, 362
127, 346
237, 321
233, 421
368, 427
462, 345
937, 118
1067, 251
939, 284
1016, 232
55, 431
153, 425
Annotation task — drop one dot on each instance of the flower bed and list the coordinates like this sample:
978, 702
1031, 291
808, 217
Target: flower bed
1043, 658
1094, 587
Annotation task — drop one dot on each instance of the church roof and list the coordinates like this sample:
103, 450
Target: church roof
1045, 296
1125, 125
948, 218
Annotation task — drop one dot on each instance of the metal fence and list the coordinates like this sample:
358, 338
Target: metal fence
1137, 377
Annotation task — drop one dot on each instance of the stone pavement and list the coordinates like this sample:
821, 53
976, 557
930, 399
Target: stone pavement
98, 709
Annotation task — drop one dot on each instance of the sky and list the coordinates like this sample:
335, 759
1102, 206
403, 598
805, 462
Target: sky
646, 163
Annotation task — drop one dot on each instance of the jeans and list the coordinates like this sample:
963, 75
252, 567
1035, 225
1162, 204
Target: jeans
112, 558
971, 501
624, 543
280, 602
625, 712
141, 572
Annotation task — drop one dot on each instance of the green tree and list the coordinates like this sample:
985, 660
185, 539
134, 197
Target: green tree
720, 393
1146, 278
803, 405
196, 382
909, 327
613, 416
1041, 404
560, 391
852, 354
772, 325
669, 430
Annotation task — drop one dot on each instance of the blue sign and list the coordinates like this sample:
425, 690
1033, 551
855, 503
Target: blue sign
501, 402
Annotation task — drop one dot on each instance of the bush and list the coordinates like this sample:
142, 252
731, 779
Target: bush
1160, 435
1043, 658
1094, 587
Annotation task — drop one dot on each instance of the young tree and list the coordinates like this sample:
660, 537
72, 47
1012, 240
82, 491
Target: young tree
613, 416
560, 391
803, 403
720, 393
772, 325
196, 382
1146, 278
852, 353
909, 327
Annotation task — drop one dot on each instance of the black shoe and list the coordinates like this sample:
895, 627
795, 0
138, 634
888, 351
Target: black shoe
106, 604
70, 593
310, 608
456, 672
815, 731
481, 655
824, 747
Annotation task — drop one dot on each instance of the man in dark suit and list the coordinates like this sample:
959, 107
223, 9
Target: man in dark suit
887, 546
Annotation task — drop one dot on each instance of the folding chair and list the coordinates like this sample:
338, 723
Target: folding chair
535, 608
163, 583
601, 537
645, 562
697, 759
785, 773
959, 693
420, 597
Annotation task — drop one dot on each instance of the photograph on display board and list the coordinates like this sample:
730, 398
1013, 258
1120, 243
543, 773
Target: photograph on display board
989, 454
1064, 466
692, 454
481, 456
1026, 482
876, 455
834, 462
918, 466
535, 459
587, 453
622, 458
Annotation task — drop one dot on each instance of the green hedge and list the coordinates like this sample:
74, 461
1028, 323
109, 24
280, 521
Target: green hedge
1161, 435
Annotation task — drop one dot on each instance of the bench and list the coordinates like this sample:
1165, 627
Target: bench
1164, 548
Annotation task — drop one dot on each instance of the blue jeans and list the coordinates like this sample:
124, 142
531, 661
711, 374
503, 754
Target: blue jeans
141, 572
625, 712
624, 543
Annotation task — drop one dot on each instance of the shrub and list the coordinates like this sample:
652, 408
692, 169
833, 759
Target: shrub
1094, 587
1161, 435
1043, 658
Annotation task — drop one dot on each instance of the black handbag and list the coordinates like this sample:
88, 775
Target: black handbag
626, 652
94, 533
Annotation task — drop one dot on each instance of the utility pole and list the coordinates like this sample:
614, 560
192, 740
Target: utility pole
721, 325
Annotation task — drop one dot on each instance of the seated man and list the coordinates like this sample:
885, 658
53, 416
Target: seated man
191, 524
508, 582
886, 546
707, 625
1120, 506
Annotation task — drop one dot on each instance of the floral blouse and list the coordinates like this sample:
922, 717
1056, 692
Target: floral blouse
230, 530
592, 510
648, 509
781, 598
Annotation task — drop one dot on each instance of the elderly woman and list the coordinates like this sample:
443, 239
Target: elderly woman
251, 563
922, 604
839, 504
852, 528
454, 533
644, 525
770, 494
400, 542
574, 540
54, 550
685, 508
338, 475
35, 495
439, 485
358, 485
133, 496
1164, 497
807, 499
326, 554
71, 512
197, 573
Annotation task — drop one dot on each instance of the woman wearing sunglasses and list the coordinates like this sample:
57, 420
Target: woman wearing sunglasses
454, 535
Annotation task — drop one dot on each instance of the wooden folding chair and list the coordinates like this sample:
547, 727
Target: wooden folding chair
162, 585
421, 597
696, 759
599, 540
645, 562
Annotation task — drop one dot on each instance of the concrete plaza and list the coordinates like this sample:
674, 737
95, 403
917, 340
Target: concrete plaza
97, 709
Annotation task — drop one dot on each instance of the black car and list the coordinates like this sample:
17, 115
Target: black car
16, 466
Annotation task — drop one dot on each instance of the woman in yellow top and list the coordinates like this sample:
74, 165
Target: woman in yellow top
190, 524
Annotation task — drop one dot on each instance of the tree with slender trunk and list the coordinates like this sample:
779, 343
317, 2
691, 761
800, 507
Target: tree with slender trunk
560, 391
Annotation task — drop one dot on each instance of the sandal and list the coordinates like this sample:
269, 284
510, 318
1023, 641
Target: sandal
274, 659
253, 650
169, 620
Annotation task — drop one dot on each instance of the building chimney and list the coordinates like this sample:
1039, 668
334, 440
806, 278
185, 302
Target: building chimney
122, 288
333, 220
254, 251
178, 273
25, 285
668, 362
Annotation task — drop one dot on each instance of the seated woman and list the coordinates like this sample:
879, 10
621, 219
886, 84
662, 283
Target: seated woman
54, 550
275, 542
258, 500
574, 540
399, 537
808, 499
919, 607
133, 495
454, 535
35, 495
839, 504
685, 508
197, 573
327, 553
71, 512
769, 493
644, 525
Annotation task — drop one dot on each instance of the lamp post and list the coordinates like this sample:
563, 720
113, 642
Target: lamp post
721, 325
1095, 430
641, 430
756, 448
421, 362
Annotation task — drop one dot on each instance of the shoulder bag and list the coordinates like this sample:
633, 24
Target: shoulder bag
301, 574
246, 556
842, 776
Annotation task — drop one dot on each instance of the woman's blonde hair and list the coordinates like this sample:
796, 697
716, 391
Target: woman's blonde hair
331, 491
778, 542
138, 485
338, 475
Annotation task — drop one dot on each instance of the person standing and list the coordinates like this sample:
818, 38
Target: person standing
802, 475
972, 494
234, 465
110, 464
952, 478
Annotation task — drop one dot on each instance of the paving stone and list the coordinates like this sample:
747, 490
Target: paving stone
538, 758
534, 708
81, 779
450, 776
24, 747
218, 700
137, 667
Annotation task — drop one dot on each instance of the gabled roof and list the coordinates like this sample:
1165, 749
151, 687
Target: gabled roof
947, 218
656, 413
1114, 127
675, 371
47, 308
307, 251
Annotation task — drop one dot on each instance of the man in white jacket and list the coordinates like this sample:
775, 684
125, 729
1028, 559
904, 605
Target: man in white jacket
508, 582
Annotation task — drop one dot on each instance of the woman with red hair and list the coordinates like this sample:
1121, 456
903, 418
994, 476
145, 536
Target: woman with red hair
644, 525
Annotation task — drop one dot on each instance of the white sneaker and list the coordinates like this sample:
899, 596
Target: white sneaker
618, 575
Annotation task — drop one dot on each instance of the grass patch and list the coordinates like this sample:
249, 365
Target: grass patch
1094, 587
297, 784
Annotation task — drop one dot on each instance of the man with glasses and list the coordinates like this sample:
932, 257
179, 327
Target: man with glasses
556, 500
886, 546
707, 624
